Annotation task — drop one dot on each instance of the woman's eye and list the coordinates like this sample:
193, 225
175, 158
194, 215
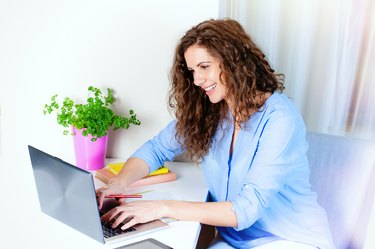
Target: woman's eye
204, 66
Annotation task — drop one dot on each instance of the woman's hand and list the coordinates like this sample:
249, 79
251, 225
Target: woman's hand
114, 186
135, 212
133, 170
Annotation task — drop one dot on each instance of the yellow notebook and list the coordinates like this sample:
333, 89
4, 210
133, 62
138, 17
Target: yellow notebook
115, 168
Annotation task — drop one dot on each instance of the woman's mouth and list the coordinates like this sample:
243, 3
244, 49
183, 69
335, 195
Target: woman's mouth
210, 88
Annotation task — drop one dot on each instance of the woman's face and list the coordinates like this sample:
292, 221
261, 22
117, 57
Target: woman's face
206, 72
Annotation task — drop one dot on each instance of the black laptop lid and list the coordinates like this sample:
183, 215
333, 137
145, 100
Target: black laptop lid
66, 193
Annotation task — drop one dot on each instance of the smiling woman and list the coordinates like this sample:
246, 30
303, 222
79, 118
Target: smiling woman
217, 55
231, 116
206, 72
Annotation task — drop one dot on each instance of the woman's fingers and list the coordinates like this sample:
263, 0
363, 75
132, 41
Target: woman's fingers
100, 198
110, 188
110, 215
130, 223
124, 216
133, 213
115, 216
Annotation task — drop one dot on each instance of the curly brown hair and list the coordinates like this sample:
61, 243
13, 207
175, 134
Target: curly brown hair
245, 73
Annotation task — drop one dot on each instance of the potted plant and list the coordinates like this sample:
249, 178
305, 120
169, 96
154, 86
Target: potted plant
90, 123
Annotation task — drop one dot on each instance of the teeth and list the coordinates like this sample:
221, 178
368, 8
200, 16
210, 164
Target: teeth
210, 87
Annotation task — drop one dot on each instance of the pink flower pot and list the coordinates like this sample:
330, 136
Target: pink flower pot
89, 155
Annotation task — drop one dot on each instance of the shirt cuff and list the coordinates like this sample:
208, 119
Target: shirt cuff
240, 215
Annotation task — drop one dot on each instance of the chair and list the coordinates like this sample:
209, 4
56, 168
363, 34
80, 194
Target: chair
343, 175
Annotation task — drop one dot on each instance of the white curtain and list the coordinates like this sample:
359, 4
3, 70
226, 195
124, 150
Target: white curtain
326, 49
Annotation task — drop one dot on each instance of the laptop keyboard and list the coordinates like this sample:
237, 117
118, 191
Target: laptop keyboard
109, 232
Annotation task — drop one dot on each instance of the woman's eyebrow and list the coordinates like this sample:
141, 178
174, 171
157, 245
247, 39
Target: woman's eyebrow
202, 63
199, 64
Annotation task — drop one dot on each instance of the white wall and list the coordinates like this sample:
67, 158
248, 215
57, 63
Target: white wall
50, 46
62, 47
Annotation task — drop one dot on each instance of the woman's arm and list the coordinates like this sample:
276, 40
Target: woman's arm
211, 213
150, 156
133, 170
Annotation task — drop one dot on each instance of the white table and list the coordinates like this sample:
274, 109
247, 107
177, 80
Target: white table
189, 186
37, 230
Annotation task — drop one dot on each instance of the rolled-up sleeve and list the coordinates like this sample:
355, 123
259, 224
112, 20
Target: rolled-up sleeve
278, 152
163, 147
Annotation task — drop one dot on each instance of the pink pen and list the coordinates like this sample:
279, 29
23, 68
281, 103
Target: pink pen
124, 196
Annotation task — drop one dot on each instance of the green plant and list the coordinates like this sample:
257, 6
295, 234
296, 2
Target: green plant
94, 117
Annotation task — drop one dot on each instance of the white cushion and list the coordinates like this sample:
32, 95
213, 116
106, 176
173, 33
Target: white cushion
343, 175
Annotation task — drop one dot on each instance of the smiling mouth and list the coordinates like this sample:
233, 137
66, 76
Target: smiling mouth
210, 87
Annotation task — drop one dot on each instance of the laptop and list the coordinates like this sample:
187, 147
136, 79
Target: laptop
67, 193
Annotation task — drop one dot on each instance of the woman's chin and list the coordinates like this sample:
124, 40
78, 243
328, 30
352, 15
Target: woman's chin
214, 100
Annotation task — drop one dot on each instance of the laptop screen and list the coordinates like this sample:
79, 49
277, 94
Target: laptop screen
66, 193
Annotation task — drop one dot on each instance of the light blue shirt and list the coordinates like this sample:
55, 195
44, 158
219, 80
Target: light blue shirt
266, 178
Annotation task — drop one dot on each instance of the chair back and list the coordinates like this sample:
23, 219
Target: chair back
343, 175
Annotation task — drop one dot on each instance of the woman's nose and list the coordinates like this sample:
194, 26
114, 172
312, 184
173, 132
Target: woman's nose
198, 79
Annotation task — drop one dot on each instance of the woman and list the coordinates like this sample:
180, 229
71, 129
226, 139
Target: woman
249, 138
